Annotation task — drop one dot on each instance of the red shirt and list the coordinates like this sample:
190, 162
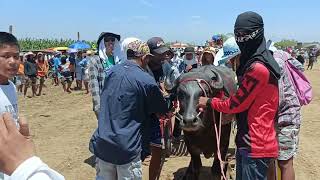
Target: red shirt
256, 104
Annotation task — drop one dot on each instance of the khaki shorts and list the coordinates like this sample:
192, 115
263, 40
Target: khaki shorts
30, 80
288, 138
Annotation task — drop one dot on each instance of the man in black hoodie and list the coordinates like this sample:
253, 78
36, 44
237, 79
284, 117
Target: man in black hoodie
30, 72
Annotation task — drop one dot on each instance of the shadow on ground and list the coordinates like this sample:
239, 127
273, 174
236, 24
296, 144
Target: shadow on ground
91, 161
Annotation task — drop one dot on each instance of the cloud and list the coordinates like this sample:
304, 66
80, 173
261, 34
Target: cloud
140, 17
195, 17
146, 3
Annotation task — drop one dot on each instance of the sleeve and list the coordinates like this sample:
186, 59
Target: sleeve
34, 169
253, 82
94, 85
155, 100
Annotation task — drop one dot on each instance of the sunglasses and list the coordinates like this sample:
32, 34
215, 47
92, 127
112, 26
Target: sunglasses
109, 39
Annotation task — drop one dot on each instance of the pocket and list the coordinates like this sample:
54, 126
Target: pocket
136, 169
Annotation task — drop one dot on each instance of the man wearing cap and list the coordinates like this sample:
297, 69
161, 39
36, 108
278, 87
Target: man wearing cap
108, 47
190, 59
161, 53
216, 41
128, 98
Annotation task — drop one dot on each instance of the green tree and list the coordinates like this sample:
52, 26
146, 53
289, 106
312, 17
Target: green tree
286, 43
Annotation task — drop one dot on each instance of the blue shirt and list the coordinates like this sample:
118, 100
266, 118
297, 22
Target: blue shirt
128, 98
78, 65
56, 62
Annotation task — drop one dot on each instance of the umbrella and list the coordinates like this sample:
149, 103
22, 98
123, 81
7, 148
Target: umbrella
60, 48
80, 45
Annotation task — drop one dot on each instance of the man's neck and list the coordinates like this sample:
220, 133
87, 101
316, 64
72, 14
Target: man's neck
4, 80
109, 54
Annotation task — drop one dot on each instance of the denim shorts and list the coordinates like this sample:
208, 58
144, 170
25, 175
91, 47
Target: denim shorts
155, 133
108, 171
248, 168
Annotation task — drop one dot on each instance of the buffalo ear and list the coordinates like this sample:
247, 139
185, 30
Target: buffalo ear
216, 81
171, 82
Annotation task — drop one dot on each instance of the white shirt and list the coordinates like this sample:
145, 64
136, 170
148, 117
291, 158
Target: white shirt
34, 169
9, 100
8, 103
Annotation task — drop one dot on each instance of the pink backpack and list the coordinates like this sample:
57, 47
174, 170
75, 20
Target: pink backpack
298, 79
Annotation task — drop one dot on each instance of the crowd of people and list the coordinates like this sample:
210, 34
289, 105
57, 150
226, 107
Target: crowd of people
126, 81
61, 68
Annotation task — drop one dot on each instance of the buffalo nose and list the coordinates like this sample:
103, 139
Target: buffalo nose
190, 120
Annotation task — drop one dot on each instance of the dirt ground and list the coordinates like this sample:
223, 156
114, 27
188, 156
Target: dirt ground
62, 124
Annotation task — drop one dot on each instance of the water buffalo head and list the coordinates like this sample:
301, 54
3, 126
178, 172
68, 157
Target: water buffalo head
188, 88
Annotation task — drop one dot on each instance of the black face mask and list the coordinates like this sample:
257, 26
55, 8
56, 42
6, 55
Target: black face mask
249, 32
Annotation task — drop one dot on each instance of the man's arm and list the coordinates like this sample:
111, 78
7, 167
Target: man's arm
155, 100
253, 83
94, 85
34, 169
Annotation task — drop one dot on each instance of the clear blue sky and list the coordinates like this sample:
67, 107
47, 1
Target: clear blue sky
182, 20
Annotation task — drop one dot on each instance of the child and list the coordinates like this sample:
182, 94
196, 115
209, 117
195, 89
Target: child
65, 75
9, 65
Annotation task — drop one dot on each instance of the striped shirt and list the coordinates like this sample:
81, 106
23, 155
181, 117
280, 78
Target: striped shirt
96, 80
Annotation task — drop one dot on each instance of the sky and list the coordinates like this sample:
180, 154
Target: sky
192, 21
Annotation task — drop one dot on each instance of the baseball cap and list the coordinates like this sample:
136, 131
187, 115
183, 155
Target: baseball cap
216, 37
188, 50
138, 48
157, 45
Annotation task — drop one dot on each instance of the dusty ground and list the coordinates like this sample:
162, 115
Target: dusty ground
61, 125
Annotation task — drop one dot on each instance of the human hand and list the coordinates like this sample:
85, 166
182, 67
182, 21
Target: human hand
202, 103
16, 147
188, 68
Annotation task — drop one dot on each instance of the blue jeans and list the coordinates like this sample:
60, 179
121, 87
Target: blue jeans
251, 168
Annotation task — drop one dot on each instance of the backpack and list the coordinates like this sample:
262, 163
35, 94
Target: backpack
300, 82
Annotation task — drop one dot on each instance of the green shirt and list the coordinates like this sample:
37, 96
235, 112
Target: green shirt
109, 62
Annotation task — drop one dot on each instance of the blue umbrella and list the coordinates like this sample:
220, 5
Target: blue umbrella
80, 45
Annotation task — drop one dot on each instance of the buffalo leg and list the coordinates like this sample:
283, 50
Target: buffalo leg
224, 145
193, 170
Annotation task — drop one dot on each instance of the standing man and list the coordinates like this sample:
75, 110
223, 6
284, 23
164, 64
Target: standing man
312, 58
109, 55
30, 71
43, 68
128, 98
161, 54
56, 63
255, 110
288, 119
78, 71
190, 59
